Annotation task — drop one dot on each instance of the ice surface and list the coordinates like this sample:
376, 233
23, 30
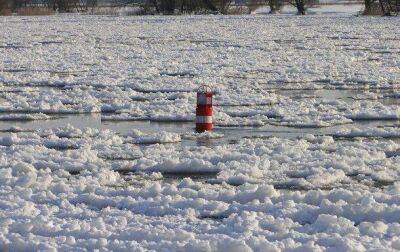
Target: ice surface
146, 68
333, 185
253, 201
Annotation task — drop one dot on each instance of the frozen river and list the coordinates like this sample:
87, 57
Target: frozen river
274, 128
97, 142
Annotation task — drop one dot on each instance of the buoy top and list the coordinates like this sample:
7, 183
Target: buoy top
204, 89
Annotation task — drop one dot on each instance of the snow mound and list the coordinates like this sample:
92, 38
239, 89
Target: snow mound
351, 132
138, 137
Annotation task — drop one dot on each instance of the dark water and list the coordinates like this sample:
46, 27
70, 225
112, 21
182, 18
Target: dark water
230, 134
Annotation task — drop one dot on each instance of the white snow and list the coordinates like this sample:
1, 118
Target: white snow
100, 209
139, 137
147, 68
331, 187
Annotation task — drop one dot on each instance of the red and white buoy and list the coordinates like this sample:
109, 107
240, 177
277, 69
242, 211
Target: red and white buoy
204, 109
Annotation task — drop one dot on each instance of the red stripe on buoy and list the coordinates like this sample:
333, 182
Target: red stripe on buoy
204, 110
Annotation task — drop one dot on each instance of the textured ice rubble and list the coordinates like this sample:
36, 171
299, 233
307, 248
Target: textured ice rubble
50, 102
139, 137
384, 132
374, 111
43, 206
247, 60
24, 117
68, 188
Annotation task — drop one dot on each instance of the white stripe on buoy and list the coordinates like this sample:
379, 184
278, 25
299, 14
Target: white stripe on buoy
203, 119
204, 100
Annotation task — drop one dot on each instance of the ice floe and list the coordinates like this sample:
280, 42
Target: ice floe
75, 189
156, 76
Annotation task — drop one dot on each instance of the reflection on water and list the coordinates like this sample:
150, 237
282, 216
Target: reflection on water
147, 126
385, 96
230, 134
325, 94
77, 120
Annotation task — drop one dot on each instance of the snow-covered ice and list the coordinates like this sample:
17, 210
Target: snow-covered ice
310, 193
146, 68
305, 154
